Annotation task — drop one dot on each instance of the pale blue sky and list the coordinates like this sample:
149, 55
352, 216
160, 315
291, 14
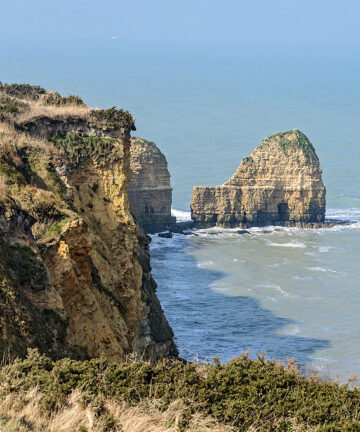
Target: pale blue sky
251, 22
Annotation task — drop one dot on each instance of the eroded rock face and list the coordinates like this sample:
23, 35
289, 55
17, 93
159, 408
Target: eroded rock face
75, 276
150, 192
279, 183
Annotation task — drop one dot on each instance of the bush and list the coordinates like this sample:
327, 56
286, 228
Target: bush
112, 118
26, 91
261, 394
56, 99
10, 106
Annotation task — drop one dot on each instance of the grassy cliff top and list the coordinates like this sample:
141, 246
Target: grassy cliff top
21, 103
30, 180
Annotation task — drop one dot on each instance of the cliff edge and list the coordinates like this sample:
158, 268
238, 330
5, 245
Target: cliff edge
75, 275
279, 183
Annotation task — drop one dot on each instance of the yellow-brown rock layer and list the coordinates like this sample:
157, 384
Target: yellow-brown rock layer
150, 192
75, 275
279, 183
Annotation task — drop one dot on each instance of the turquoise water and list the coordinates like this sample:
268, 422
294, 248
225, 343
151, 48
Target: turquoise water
292, 292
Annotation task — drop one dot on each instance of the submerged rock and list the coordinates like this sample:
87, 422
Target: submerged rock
166, 234
150, 192
279, 183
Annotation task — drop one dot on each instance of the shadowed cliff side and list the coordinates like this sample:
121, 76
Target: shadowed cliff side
279, 183
75, 276
150, 192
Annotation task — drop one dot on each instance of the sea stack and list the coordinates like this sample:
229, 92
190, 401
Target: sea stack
150, 192
279, 183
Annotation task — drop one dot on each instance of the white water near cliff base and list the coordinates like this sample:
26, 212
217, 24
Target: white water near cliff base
292, 292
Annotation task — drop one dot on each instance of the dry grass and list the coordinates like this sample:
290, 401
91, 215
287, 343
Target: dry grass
25, 412
9, 135
39, 109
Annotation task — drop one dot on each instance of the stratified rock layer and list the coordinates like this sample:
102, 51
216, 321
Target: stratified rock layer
75, 276
279, 183
150, 193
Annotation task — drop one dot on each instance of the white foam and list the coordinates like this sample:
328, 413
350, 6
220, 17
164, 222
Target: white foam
321, 269
351, 215
273, 299
323, 249
288, 245
292, 330
181, 216
205, 264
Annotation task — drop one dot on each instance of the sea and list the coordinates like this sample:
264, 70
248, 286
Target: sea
289, 292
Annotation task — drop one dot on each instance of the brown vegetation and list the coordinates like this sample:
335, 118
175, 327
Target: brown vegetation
242, 395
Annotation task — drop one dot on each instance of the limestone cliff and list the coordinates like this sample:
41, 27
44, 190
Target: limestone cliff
150, 193
279, 183
75, 276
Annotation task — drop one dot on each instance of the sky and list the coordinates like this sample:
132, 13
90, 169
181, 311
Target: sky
288, 23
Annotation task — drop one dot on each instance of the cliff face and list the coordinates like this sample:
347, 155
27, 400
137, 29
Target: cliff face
150, 193
279, 183
75, 276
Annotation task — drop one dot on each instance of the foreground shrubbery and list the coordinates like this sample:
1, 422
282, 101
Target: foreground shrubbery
244, 394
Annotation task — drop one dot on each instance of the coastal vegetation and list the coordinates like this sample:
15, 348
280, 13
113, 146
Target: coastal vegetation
28, 103
76, 148
242, 395
54, 98
287, 141
112, 118
22, 91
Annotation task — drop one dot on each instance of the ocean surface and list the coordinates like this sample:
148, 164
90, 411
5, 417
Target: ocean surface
291, 292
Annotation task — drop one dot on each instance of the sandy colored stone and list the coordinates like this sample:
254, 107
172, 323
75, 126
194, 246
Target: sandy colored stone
150, 192
96, 293
279, 183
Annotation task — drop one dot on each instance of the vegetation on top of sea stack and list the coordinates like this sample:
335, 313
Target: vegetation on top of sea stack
293, 139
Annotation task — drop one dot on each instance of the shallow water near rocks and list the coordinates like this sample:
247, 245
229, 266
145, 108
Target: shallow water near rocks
292, 292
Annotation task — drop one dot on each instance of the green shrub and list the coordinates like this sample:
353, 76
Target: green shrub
55, 98
11, 107
26, 91
243, 392
56, 228
112, 118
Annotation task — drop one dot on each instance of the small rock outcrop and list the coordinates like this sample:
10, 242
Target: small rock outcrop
279, 183
150, 192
